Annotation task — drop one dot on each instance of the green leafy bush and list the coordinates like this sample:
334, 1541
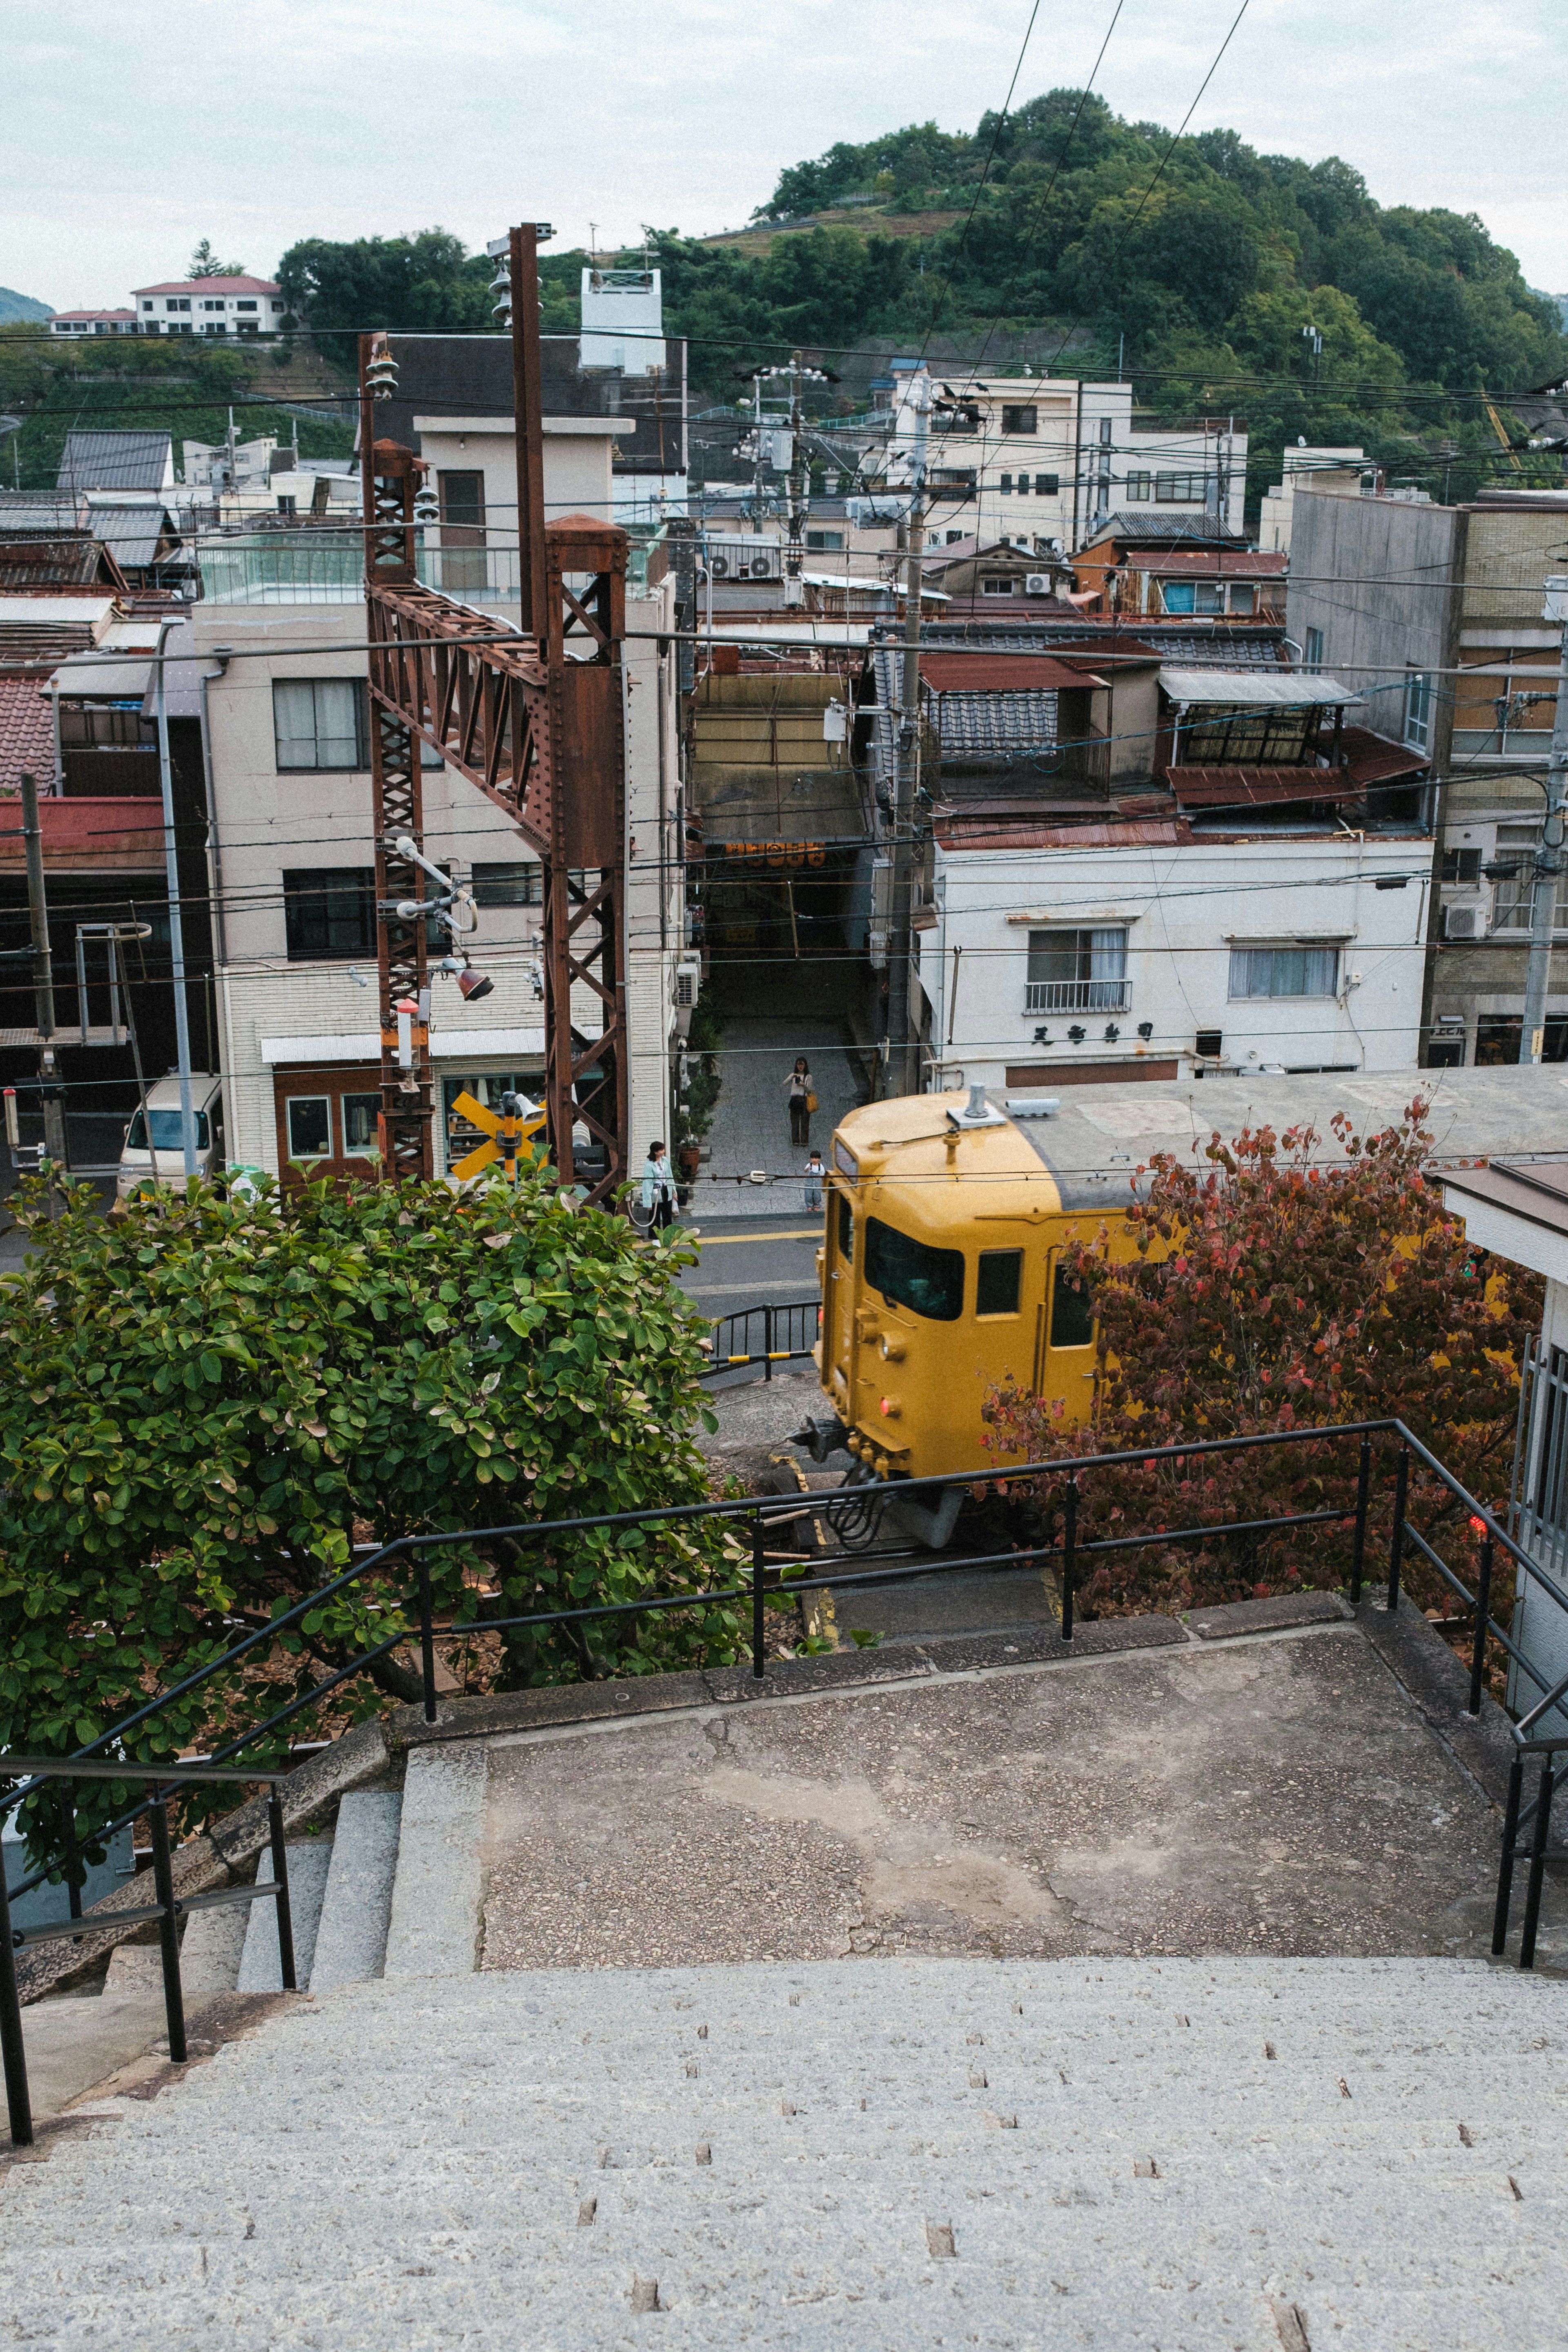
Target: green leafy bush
211, 1400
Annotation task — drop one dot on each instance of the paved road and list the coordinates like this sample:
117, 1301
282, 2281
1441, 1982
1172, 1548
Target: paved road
749, 1261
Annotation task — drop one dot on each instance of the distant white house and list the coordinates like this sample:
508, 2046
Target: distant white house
93, 323
209, 306
623, 320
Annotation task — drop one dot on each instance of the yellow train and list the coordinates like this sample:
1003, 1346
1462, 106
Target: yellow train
946, 1216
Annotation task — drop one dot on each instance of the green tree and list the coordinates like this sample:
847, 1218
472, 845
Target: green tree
423, 284
211, 1400
205, 263
1269, 1287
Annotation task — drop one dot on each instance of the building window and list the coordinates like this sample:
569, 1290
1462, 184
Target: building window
996, 587
319, 722
1180, 490
1312, 648
516, 883
1283, 971
1140, 488
1077, 972
328, 911
1021, 420
1461, 866
219, 305
308, 1120
245, 306
1243, 600
1418, 709
824, 542
147, 306
361, 1135
1046, 486
1513, 895
177, 303
1007, 482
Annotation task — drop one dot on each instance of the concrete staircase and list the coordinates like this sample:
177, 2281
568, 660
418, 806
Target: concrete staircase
1118, 2154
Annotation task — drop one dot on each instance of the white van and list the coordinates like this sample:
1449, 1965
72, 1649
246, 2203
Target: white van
165, 1162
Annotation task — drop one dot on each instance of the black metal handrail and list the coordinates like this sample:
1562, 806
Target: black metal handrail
846, 1567
168, 1910
795, 1325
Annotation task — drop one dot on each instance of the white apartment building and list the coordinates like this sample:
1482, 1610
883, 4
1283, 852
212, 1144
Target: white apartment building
209, 306
1041, 461
1146, 953
1319, 467
292, 865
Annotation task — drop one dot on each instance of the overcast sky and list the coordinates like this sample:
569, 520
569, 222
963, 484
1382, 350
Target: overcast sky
132, 132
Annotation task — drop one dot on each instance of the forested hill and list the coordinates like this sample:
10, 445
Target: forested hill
1067, 231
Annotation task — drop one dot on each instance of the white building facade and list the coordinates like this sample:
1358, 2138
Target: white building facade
1043, 460
292, 864
209, 306
1143, 953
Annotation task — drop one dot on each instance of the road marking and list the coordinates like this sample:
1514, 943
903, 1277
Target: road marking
793, 1233
732, 1289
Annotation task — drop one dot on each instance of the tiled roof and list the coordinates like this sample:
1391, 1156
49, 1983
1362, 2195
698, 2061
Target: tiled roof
27, 733
49, 560
1008, 725
114, 461
984, 670
1147, 526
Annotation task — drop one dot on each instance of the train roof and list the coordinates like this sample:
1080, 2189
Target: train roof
1095, 1137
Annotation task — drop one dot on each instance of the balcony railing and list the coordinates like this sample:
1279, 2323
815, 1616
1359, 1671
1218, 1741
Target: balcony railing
271, 570
1076, 996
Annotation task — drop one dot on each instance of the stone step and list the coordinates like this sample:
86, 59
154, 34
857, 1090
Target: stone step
261, 1966
498, 2158
433, 1930
356, 1910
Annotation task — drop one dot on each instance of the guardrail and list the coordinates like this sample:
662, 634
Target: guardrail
777, 1575
786, 1333
169, 1909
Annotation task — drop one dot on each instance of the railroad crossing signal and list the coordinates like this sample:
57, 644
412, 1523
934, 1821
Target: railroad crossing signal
507, 1130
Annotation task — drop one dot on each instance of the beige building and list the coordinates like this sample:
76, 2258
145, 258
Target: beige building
1344, 471
292, 865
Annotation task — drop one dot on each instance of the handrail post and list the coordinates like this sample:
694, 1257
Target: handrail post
1483, 1618
168, 1928
768, 1342
1505, 1864
13, 2048
426, 1636
1538, 1845
1358, 1547
280, 1880
759, 1662
1069, 1554
73, 1853
1396, 1540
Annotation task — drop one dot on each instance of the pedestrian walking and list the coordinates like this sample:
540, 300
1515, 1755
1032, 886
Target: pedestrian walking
802, 1101
658, 1194
815, 1172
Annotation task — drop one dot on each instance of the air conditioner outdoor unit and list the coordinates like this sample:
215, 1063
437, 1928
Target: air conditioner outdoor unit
718, 567
1464, 923
1036, 584
688, 981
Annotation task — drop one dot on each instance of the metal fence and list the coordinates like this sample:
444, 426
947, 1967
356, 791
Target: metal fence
776, 1576
764, 1335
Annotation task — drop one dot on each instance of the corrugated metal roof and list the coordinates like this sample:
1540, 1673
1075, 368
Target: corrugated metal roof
1258, 787
49, 560
114, 461
1245, 689
1375, 759
1138, 833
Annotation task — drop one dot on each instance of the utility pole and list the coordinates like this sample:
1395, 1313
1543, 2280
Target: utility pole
50, 1086
176, 927
799, 494
902, 1065
1548, 857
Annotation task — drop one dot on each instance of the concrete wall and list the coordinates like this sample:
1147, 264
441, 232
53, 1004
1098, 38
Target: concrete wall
576, 465
1375, 576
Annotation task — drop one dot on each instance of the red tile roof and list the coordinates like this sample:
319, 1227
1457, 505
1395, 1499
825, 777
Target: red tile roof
211, 286
27, 733
1375, 759
1258, 787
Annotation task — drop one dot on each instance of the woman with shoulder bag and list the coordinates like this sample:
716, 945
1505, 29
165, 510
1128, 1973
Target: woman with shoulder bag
802, 1101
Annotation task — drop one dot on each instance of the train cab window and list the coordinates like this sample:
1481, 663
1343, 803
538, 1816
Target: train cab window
1071, 1315
909, 1273
846, 1230
1000, 1280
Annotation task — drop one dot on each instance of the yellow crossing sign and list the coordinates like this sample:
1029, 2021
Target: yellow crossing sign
505, 1134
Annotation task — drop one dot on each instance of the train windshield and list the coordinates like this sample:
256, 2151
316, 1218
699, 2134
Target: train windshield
908, 1274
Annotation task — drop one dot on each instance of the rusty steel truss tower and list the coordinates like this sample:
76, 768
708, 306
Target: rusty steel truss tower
536, 722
